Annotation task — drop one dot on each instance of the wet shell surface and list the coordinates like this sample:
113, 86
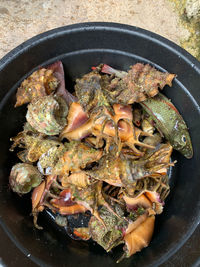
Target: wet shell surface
24, 177
48, 114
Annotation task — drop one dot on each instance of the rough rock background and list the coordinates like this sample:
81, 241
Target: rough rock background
22, 19
189, 17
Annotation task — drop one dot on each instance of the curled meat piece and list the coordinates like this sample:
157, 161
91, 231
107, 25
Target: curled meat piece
153, 140
147, 126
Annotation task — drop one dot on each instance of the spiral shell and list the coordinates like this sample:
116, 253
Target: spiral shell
48, 160
109, 235
40, 83
47, 114
24, 177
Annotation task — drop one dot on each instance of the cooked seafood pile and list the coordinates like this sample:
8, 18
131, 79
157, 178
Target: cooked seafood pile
102, 152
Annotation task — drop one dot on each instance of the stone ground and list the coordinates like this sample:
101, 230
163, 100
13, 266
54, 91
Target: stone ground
22, 19
189, 17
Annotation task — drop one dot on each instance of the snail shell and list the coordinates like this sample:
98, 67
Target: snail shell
24, 177
47, 114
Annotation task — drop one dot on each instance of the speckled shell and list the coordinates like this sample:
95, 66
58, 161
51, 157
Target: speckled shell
40, 83
24, 177
109, 235
48, 160
47, 114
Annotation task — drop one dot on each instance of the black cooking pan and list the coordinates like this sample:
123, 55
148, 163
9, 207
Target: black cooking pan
79, 47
